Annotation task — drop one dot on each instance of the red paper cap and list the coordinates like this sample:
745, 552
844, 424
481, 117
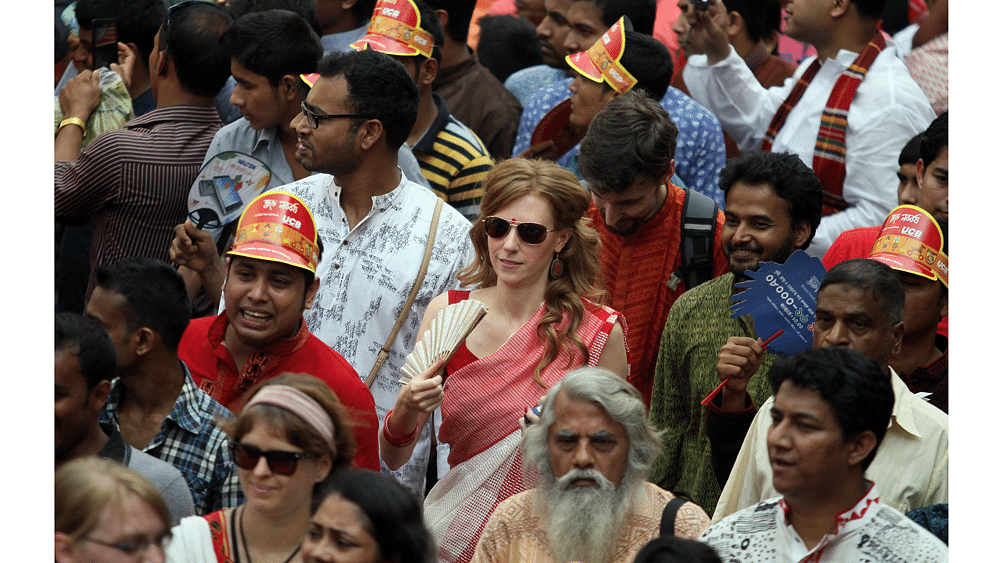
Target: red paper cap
310, 79
395, 30
911, 241
278, 227
602, 61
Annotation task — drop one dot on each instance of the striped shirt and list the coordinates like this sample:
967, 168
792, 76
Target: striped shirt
454, 160
190, 440
135, 181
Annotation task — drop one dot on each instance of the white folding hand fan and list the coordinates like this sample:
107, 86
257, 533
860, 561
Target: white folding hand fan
448, 330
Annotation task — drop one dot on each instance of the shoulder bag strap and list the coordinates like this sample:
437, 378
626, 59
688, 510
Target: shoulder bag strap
670, 515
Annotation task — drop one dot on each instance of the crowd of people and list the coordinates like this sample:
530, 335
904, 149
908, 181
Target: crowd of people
268, 211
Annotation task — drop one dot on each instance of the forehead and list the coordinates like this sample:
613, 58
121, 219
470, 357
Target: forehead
585, 11
794, 401
266, 266
582, 417
559, 6
529, 208
338, 513
632, 193
756, 199
105, 306
842, 300
327, 93
241, 72
941, 161
68, 371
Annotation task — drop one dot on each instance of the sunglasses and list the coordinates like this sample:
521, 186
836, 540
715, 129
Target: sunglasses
530, 233
280, 462
172, 11
136, 545
312, 118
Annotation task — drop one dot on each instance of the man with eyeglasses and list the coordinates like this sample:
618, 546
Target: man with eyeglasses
135, 180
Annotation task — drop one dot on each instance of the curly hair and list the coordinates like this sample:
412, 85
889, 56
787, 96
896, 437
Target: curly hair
568, 200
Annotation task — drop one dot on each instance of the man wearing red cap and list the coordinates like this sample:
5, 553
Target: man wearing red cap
270, 281
453, 158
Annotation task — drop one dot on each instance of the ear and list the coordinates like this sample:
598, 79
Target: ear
428, 72
735, 24
839, 7
65, 549
311, 292
288, 87
669, 173
895, 339
563, 238
920, 173
159, 63
861, 445
370, 133
145, 340
347, 4
443, 16
324, 467
800, 233
99, 395
943, 303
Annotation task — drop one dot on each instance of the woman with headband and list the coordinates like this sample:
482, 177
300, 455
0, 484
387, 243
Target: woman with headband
290, 438
537, 272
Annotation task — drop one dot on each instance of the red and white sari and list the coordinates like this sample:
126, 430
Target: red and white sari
483, 401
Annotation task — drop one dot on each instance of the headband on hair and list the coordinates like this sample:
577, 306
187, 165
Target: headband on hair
297, 403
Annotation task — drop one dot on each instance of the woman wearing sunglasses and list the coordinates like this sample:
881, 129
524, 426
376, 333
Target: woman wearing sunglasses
366, 517
290, 437
107, 513
537, 271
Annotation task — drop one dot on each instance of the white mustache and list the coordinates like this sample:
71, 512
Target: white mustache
603, 483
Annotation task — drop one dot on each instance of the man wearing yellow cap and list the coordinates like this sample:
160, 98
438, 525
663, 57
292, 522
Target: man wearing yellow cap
270, 281
452, 157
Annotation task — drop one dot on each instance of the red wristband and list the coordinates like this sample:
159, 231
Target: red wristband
399, 442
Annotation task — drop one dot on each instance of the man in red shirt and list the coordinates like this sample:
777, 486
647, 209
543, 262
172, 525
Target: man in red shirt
270, 281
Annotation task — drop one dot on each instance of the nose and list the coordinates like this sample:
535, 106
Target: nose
262, 469
574, 86
611, 215
777, 436
909, 192
236, 98
155, 554
837, 335
543, 29
258, 289
300, 125
322, 550
511, 241
680, 26
582, 456
571, 44
742, 233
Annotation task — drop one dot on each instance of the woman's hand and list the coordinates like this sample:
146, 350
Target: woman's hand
425, 392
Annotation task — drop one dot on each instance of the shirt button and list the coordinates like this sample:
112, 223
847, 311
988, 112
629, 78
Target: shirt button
345, 243
336, 266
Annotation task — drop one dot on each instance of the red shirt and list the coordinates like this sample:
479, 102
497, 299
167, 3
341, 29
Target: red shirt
637, 269
215, 372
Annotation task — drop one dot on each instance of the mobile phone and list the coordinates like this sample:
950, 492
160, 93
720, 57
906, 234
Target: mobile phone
105, 42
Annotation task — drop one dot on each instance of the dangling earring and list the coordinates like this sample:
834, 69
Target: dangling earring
556, 267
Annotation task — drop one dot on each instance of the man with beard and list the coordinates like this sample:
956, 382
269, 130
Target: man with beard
627, 160
773, 207
860, 306
591, 449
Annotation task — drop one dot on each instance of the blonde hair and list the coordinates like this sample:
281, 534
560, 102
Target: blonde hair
569, 201
85, 487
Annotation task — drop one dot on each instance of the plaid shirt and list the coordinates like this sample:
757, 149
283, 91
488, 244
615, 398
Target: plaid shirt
191, 442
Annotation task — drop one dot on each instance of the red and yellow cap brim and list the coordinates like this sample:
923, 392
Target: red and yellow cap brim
278, 227
395, 30
602, 61
911, 241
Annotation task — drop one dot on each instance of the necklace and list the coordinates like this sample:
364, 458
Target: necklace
243, 540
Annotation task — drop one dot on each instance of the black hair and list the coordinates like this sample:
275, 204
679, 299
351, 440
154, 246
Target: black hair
135, 22
649, 61
430, 23
671, 549
155, 297
89, 342
911, 151
787, 175
632, 140
304, 8
762, 17
459, 17
935, 139
193, 43
858, 392
378, 87
394, 517
363, 9
641, 12
507, 44
871, 275
871, 9
273, 44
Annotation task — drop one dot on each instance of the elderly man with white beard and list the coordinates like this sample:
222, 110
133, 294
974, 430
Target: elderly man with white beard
591, 449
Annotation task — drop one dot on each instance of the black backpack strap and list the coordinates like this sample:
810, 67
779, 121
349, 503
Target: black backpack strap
698, 218
669, 515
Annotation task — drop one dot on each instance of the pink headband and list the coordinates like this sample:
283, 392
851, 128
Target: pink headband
297, 403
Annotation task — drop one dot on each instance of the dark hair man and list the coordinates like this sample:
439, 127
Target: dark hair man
829, 415
154, 403
591, 449
85, 365
270, 280
753, 30
700, 149
860, 305
452, 158
135, 180
343, 22
627, 160
474, 96
877, 105
773, 205
373, 221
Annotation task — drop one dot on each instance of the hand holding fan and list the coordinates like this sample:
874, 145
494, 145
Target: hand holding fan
448, 330
781, 300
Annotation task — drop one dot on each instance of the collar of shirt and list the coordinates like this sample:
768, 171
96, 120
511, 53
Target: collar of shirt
426, 142
902, 408
199, 114
379, 202
848, 521
188, 413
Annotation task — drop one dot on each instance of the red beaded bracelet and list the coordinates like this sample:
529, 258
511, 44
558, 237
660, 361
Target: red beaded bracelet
399, 442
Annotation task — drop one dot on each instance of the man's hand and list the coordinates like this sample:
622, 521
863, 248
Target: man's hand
81, 95
425, 392
545, 150
127, 55
708, 31
193, 247
739, 360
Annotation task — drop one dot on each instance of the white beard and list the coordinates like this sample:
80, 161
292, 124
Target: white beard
583, 523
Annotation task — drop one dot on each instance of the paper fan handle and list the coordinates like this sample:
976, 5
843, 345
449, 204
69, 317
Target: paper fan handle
465, 334
711, 396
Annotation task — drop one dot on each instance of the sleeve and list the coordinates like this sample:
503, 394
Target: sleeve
466, 189
838, 251
731, 91
525, 128
362, 407
494, 535
178, 498
937, 489
743, 488
90, 182
726, 431
227, 481
192, 542
671, 394
706, 155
